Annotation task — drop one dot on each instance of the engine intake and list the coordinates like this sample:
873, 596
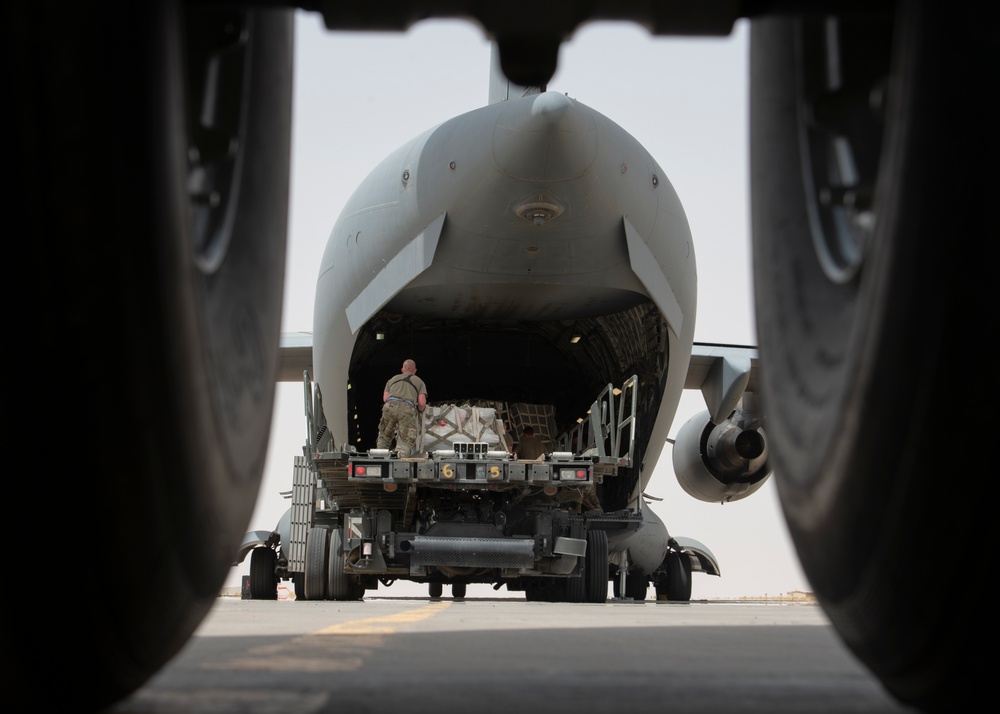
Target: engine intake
720, 462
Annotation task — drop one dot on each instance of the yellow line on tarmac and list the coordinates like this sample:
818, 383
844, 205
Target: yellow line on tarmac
384, 625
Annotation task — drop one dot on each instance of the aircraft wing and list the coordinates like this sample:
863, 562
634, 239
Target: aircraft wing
296, 356
723, 373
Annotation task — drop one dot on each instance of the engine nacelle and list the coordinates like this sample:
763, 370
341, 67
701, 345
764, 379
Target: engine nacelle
720, 462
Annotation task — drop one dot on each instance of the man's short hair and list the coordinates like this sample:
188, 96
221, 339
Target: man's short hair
528, 430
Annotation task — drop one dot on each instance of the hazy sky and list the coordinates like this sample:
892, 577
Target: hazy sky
358, 96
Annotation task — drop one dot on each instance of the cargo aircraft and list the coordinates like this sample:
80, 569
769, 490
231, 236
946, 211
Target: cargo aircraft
529, 253
151, 163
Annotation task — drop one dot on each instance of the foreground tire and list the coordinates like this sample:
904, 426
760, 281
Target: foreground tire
168, 278
263, 581
867, 241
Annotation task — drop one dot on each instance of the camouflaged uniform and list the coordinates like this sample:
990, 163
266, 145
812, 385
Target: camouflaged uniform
399, 414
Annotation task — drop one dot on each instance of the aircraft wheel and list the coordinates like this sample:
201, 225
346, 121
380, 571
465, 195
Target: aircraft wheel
860, 297
317, 562
435, 590
636, 587
263, 581
597, 566
576, 588
339, 585
676, 585
553, 589
545, 589
458, 590
164, 334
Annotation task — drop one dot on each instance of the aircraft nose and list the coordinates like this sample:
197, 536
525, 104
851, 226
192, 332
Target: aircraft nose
546, 137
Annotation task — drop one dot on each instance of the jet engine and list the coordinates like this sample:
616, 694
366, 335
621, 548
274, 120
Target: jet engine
721, 462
